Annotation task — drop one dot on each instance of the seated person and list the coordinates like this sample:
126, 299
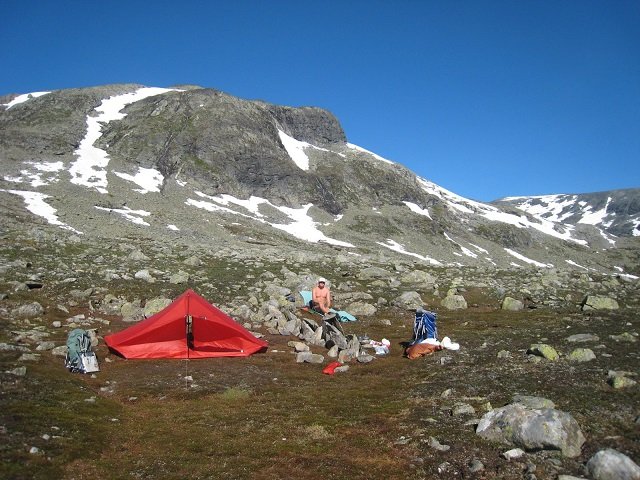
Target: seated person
321, 297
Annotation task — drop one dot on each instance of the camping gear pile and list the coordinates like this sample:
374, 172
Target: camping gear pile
425, 336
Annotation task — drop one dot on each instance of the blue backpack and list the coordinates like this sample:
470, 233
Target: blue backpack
424, 326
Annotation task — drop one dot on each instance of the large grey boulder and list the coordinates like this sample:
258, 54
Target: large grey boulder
512, 304
454, 302
598, 302
30, 310
361, 309
533, 429
418, 277
610, 464
409, 301
371, 273
155, 305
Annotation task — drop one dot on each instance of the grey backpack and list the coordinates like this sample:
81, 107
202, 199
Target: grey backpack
80, 357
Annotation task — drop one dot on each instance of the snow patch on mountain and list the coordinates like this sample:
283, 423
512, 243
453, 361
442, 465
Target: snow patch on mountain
23, 98
89, 170
374, 155
149, 179
36, 204
295, 149
471, 207
133, 216
38, 173
527, 260
302, 225
417, 209
396, 247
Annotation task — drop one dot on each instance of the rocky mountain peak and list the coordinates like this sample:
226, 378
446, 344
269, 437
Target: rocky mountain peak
194, 164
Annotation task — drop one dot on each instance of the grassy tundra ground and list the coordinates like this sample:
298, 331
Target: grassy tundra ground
267, 417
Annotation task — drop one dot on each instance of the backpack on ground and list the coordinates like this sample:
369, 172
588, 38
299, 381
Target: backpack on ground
425, 326
80, 357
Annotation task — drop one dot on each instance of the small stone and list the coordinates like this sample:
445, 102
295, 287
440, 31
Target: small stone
463, 409
435, 444
513, 454
583, 337
581, 355
447, 393
544, 350
621, 381
18, 372
476, 466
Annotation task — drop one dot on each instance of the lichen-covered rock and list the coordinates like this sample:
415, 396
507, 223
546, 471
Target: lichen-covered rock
512, 304
361, 309
155, 305
409, 301
620, 379
454, 302
543, 350
533, 402
598, 302
581, 355
533, 429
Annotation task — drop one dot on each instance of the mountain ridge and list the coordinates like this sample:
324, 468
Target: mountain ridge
199, 164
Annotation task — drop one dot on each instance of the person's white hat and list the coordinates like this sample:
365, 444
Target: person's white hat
322, 280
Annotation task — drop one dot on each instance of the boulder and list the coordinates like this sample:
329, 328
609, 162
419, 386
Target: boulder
179, 278
155, 305
361, 309
30, 310
418, 277
131, 312
620, 379
532, 429
409, 301
308, 357
138, 256
454, 302
512, 304
543, 350
372, 273
610, 464
583, 337
581, 355
598, 302
144, 275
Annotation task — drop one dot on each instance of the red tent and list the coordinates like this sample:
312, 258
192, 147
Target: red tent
188, 328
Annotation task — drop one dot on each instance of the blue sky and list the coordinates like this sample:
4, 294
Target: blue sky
485, 98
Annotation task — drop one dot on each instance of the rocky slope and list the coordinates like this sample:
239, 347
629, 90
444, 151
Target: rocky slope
191, 164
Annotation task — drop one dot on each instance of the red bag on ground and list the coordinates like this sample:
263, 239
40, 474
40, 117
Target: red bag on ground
330, 369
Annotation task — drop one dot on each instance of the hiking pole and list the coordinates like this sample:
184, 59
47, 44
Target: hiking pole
189, 339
